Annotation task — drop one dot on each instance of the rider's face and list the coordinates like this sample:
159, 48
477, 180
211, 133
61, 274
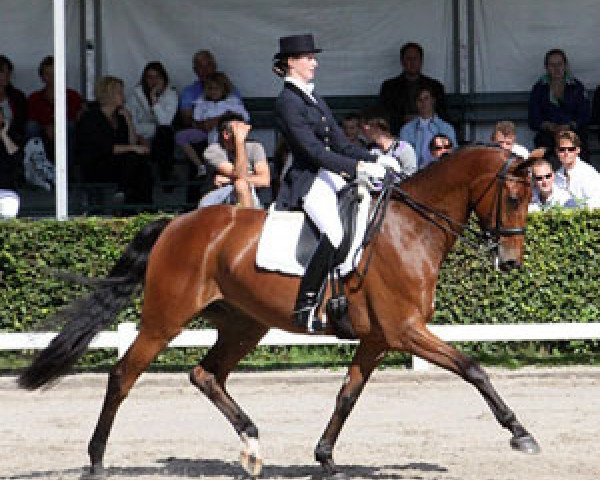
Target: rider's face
303, 67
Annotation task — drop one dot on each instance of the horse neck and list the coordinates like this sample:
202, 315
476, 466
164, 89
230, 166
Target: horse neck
447, 186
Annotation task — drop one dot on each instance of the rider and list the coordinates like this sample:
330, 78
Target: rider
323, 161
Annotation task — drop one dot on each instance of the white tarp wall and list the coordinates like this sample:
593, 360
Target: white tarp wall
361, 39
26, 36
512, 36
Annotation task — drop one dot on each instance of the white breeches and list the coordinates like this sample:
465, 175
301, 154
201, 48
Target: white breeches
321, 205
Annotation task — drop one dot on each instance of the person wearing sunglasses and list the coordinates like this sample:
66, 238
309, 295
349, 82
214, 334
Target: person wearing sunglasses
578, 177
546, 193
440, 145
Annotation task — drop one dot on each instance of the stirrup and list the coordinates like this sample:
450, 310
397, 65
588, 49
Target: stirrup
305, 317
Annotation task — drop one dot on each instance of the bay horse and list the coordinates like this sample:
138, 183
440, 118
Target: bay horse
204, 261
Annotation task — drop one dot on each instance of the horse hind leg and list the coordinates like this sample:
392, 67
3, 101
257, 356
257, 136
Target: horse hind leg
423, 343
121, 378
238, 334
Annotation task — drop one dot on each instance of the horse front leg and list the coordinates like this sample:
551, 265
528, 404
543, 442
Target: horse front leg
366, 358
423, 343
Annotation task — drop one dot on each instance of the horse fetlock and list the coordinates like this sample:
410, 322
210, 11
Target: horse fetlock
250, 456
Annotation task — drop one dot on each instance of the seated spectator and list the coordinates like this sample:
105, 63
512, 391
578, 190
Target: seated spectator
204, 64
106, 144
13, 103
352, 129
398, 95
580, 179
10, 156
504, 134
557, 102
40, 110
419, 131
546, 193
377, 131
240, 164
440, 145
218, 99
153, 105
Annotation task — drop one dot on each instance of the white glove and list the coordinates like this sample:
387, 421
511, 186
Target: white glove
389, 162
370, 173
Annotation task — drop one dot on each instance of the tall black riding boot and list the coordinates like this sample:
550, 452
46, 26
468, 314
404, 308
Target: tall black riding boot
311, 283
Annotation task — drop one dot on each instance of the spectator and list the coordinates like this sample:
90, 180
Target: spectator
218, 100
106, 145
546, 193
153, 105
352, 129
9, 159
377, 131
240, 164
580, 179
504, 134
40, 110
398, 95
557, 102
204, 64
419, 131
13, 103
440, 145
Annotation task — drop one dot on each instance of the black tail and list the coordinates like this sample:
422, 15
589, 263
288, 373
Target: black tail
90, 314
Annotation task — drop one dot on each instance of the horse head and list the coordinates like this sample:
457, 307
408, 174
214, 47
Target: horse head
500, 202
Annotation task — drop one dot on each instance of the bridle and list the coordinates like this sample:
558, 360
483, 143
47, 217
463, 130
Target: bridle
489, 236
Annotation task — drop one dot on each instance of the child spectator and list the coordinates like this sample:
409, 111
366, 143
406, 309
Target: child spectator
218, 99
504, 134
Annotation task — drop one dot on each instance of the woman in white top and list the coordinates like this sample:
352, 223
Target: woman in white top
153, 105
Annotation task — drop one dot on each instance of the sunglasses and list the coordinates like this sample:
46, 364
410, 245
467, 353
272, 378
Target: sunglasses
566, 149
539, 178
441, 147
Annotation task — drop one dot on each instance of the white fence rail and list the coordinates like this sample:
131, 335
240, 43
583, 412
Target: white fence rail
126, 332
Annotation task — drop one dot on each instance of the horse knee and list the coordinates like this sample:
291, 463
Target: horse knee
116, 389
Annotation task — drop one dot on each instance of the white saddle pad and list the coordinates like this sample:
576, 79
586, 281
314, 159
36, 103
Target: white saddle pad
281, 231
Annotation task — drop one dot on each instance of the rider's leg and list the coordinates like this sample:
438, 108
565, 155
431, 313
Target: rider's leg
320, 204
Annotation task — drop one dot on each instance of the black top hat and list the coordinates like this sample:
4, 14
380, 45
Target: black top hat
296, 45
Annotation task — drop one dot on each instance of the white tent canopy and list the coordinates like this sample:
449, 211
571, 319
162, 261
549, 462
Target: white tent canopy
470, 45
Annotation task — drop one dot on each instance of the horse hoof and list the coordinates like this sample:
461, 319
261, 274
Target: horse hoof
250, 456
94, 473
525, 444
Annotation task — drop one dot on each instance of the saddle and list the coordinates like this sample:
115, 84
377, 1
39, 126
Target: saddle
289, 239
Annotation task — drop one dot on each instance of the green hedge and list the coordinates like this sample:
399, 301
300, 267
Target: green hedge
558, 283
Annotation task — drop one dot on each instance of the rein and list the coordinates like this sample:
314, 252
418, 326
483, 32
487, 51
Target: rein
490, 237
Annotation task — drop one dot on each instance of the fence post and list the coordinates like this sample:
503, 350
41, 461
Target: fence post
126, 333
